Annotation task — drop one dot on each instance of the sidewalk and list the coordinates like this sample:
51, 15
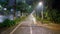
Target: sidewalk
50, 26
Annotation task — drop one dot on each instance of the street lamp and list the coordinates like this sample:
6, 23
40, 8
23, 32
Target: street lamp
12, 10
5, 9
41, 4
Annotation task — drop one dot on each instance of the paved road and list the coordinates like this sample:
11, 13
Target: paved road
28, 27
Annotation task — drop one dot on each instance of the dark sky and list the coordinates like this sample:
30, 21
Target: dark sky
27, 1
11, 2
2, 0
56, 4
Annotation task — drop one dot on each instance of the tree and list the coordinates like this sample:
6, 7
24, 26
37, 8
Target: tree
53, 13
4, 3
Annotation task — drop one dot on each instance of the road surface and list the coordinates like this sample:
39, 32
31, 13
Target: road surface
28, 27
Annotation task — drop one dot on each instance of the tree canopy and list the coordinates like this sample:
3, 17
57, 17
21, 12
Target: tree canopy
53, 11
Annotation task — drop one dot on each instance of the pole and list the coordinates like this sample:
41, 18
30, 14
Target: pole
42, 13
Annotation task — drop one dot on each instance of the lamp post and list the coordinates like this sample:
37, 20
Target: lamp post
41, 5
5, 9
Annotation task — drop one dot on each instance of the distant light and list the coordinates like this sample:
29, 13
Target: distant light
18, 13
24, 1
40, 3
12, 10
1, 18
11, 17
5, 9
0, 6
29, 6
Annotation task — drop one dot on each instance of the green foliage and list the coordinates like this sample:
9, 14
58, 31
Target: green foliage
54, 15
21, 6
17, 20
6, 12
38, 18
7, 23
4, 3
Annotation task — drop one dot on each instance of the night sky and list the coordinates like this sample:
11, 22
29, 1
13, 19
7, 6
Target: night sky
11, 2
27, 1
56, 4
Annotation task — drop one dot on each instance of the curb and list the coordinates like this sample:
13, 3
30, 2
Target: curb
15, 28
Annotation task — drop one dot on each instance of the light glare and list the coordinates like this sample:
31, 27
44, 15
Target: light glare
40, 3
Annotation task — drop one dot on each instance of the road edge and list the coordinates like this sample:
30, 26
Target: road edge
15, 28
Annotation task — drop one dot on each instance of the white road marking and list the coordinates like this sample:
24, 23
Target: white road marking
33, 19
15, 29
30, 30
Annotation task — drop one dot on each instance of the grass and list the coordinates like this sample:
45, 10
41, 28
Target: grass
45, 21
48, 24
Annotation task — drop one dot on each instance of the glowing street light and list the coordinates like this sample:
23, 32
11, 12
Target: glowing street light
5, 9
12, 10
40, 3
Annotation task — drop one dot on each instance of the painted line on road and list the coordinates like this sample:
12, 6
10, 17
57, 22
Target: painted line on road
30, 30
15, 29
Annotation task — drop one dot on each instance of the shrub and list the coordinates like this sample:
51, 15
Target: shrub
54, 15
8, 23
